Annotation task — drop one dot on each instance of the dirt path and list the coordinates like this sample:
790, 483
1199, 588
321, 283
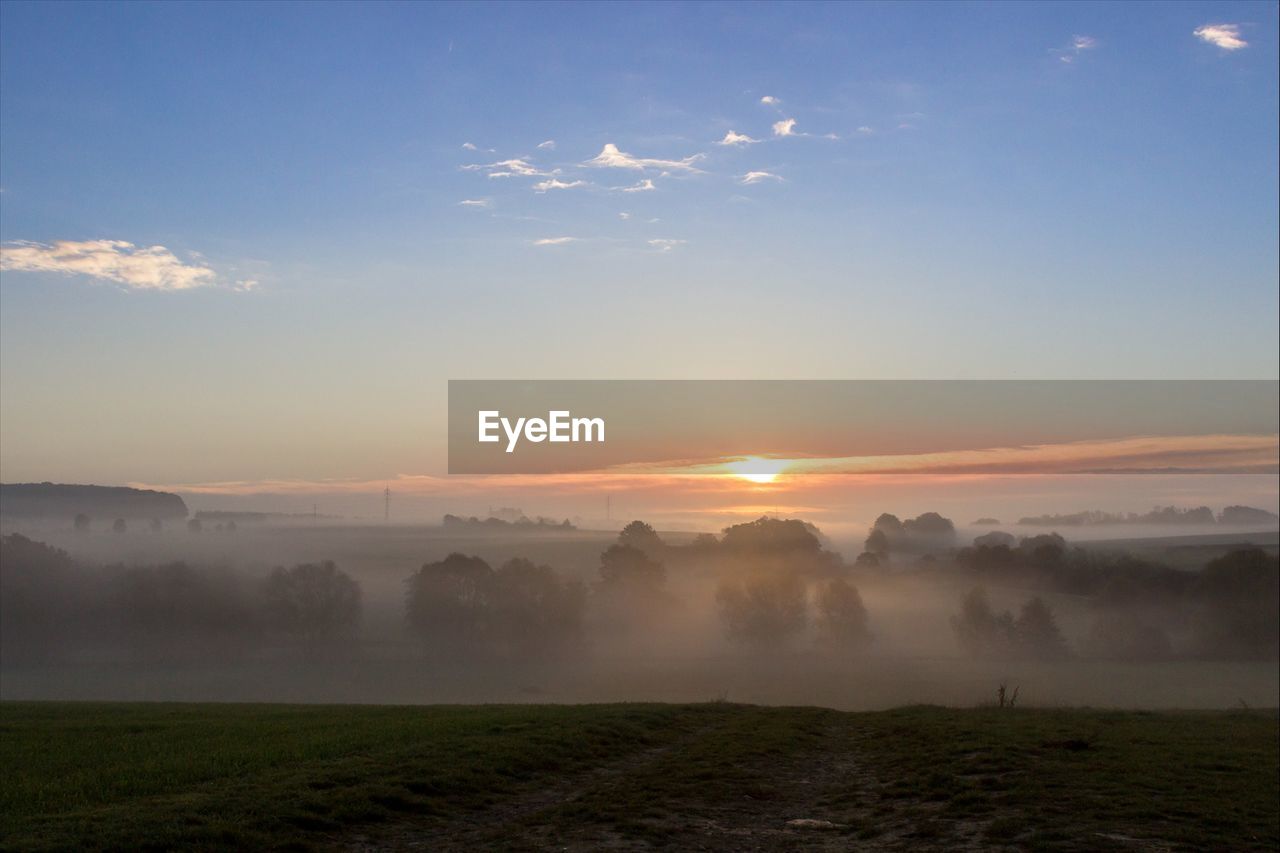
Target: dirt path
818, 796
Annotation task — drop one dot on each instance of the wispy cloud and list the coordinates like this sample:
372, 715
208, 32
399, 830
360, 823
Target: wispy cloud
135, 267
735, 138
758, 177
641, 187
624, 215
554, 241
865, 130
475, 202
508, 168
549, 145
557, 184
1225, 36
611, 158
786, 127
770, 101
666, 244
469, 146
1078, 45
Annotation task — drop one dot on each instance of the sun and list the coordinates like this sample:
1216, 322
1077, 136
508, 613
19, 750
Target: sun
756, 469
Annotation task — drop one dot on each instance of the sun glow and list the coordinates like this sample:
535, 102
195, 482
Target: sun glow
756, 469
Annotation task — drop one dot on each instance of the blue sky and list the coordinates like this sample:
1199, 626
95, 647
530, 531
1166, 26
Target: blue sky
967, 191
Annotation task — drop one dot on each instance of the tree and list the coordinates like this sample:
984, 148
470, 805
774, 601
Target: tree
772, 536
156, 525
177, 610
763, 611
867, 560
773, 545
194, 526
641, 536
980, 631
44, 597
877, 545
926, 532
994, 539
315, 603
448, 602
1238, 614
841, 617
1036, 632
81, 522
119, 526
628, 566
930, 525
535, 614
1045, 549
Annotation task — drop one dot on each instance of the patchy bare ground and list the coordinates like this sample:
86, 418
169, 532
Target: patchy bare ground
816, 793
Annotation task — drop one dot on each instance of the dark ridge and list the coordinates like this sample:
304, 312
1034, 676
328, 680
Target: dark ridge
59, 500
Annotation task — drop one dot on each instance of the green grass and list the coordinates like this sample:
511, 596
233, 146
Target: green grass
294, 777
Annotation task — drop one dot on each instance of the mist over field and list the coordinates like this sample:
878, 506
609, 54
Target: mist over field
770, 611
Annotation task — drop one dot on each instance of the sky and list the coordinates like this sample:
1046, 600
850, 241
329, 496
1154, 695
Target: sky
251, 243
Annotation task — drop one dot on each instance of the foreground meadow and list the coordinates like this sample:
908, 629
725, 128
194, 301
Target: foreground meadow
712, 776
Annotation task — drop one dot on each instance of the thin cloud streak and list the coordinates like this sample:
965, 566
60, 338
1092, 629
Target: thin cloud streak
557, 184
758, 177
611, 158
119, 261
642, 187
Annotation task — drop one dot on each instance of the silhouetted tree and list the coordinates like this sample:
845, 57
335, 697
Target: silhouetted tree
448, 602
42, 598
315, 603
926, 532
194, 526
763, 611
867, 560
81, 522
639, 535
535, 613
119, 526
841, 617
877, 545
981, 631
1047, 548
1036, 632
177, 609
773, 545
995, 538
625, 565
156, 525
1238, 605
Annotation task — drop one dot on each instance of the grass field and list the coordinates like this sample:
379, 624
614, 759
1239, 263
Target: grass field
711, 777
